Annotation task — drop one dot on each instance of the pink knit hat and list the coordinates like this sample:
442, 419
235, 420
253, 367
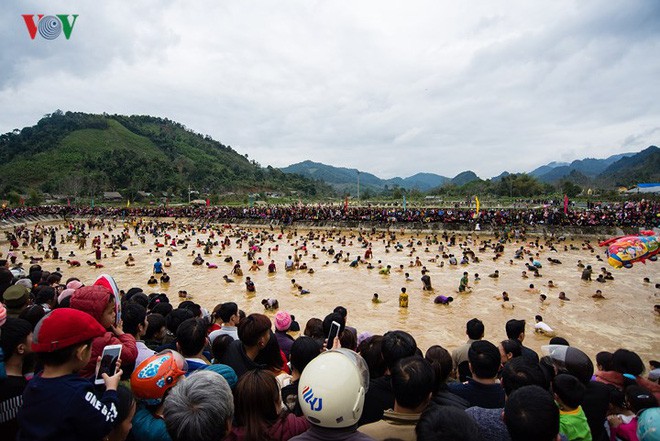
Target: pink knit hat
282, 321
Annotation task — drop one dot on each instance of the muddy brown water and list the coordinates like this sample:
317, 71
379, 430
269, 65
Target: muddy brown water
624, 319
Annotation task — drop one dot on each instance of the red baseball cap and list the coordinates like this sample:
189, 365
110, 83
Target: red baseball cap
64, 327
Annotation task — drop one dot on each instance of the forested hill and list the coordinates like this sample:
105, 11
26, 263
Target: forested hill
85, 154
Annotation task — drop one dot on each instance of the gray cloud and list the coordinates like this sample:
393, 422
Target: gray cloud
386, 87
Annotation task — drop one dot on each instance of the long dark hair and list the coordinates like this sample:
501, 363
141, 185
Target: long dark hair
255, 400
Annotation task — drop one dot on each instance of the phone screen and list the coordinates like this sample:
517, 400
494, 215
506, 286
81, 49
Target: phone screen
334, 330
108, 362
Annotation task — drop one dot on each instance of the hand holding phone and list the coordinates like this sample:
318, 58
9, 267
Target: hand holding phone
334, 333
108, 363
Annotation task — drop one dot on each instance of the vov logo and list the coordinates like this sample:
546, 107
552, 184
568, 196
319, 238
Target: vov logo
315, 403
49, 26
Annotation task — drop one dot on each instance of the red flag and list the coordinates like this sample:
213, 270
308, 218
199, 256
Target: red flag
208, 202
565, 204
68, 202
346, 204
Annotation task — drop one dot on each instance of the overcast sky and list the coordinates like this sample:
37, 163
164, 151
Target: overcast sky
389, 87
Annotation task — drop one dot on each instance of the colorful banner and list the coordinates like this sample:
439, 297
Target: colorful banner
565, 204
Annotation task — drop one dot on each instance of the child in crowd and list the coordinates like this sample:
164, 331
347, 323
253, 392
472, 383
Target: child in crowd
625, 409
568, 393
99, 302
58, 403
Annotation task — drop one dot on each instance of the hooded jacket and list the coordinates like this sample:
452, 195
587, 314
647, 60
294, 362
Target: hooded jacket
93, 300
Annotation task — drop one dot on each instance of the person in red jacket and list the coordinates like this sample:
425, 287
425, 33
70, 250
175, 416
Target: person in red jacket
99, 302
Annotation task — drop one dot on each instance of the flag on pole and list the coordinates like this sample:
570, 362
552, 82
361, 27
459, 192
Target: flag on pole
68, 202
346, 204
128, 203
92, 202
476, 211
208, 202
565, 204
404, 202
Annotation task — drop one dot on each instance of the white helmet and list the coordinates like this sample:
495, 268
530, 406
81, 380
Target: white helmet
332, 388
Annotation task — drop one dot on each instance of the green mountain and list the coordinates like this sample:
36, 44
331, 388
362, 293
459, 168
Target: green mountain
425, 181
83, 154
345, 179
644, 167
589, 167
464, 178
540, 171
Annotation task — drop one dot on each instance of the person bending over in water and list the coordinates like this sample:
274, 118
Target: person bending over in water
598, 295
270, 304
227, 279
443, 300
542, 328
562, 296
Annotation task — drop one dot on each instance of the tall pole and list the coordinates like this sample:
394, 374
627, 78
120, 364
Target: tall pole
358, 190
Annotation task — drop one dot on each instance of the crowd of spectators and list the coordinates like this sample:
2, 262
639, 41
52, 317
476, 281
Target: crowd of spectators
642, 214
